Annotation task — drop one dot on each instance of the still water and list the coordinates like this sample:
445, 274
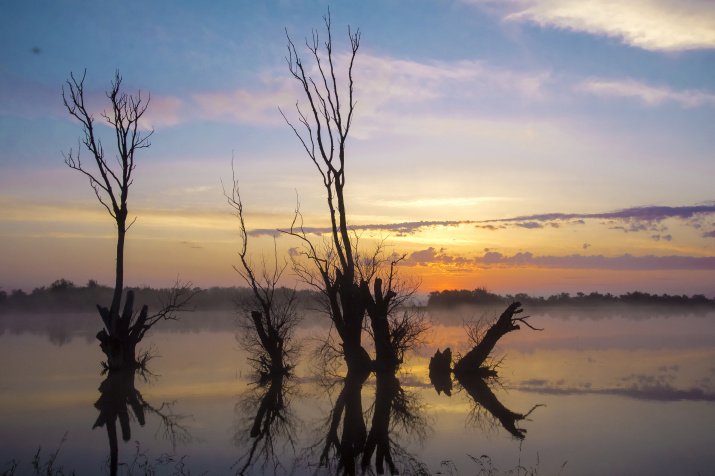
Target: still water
616, 392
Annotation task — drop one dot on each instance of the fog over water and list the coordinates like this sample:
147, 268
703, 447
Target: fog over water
634, 384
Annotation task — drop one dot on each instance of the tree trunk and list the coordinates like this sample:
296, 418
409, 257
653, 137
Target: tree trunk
473, 361
119, 273
119, 339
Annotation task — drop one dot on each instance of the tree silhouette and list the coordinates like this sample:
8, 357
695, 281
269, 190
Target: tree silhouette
353, 283
111, 185
270, 317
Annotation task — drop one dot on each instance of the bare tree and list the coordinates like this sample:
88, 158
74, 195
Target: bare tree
111, 185
270, 319
352, 285
327, 125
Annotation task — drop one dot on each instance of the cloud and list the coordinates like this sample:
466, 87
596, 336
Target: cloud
661, 237
383, 79
400, 229
710, 234
432, 256
633, 219
649, 24
163, 111
652, 96
259, 107
530, 225
586, 245
654, 390
625, 262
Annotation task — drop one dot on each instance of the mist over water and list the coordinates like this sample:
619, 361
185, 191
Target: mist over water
634, 384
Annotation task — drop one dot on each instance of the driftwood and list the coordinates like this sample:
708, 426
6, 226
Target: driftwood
471, 370
473, 361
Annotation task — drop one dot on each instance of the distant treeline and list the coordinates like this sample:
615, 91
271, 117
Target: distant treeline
64, 295
482, 297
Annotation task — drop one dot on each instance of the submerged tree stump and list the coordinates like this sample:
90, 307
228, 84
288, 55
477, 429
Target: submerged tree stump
440, 371
473, 361
119, 338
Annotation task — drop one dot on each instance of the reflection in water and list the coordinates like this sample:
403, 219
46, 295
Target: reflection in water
340, 449
610, 405
269, 422
394, 409
485, 400
348, 442
118, 395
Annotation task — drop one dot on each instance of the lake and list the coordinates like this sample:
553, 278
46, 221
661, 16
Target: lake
617, 391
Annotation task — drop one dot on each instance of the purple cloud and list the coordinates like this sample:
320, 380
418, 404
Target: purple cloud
530, 225
576, 261
400, 229
639, 213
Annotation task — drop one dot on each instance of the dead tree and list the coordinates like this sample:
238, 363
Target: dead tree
327, 125
335, 267
473, 361
268, 326
111, 185
123, 332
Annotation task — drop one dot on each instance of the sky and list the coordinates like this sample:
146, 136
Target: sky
536, 146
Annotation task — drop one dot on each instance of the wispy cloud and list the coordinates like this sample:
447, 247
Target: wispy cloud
399, 229
652, 96
494, 259
383, 79
647, 24
645, 388
635, 219
248, 106
629, 219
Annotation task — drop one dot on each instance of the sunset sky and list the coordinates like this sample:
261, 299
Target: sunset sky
531, 146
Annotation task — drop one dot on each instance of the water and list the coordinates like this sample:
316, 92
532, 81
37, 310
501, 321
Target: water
613, 392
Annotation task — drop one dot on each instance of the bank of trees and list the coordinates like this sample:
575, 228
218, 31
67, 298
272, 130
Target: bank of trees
482, 297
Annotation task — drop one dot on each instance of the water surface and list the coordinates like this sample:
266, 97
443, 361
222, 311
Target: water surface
616, 392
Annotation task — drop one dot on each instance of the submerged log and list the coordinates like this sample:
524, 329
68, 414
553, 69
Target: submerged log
473, 361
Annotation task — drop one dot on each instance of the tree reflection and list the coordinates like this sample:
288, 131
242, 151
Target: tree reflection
269, 423
476, 368
346, 431
118, 396
348, 445
395, 411
486, 401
